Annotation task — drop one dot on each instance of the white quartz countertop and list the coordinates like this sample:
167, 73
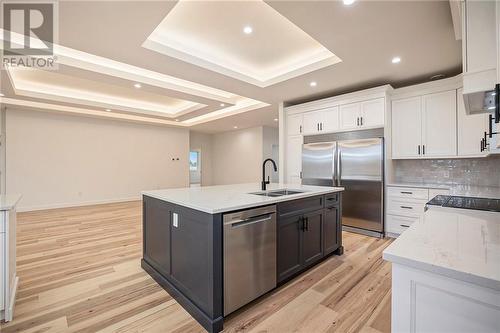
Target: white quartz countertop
458, 243
492, 192
225, 198
9, 201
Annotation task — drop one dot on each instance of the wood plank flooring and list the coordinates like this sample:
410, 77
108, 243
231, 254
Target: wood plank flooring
79, 271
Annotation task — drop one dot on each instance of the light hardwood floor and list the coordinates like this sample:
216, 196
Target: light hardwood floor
79, 271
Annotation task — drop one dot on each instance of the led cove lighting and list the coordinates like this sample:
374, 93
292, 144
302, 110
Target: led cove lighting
248, 30
313, 84
396, 60
348, 2
137, 85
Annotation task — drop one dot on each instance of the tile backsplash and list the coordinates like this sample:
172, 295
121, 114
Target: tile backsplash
472, 171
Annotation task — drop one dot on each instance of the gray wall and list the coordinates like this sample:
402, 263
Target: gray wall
478, 172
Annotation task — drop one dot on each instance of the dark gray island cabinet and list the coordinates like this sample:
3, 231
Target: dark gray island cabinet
183, 247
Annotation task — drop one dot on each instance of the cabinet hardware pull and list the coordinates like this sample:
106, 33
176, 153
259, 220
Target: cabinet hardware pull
423, 149
419, 149
404, 225
330, 199
317, 126
361, 121
321, 126
357, 121
406, 192
300, 129
307, 224
406, 207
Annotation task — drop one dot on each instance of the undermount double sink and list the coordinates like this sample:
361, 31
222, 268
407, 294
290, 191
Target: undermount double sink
277, 193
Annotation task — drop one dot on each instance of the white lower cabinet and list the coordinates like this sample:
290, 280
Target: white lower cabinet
294, 159
424, 301
405, 206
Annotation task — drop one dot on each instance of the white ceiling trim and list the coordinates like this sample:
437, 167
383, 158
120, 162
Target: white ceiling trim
57, 108
86, 61
320, 60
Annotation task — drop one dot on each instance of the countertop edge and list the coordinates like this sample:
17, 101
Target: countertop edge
447, 272
250, 205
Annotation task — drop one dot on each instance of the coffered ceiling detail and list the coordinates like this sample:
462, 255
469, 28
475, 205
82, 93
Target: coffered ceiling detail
246, 40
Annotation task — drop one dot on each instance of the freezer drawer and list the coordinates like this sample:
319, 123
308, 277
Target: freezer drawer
362, 204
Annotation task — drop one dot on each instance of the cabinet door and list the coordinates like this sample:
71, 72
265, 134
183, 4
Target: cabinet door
294, 158
157, 215
406, 127
3, 262
331, 229
289, 244
331, 119
312, 242
373, 113
471, 128
439, 129
312, 121
294, 124
349, 115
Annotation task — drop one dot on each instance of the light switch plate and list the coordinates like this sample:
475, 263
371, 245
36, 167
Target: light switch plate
175, 220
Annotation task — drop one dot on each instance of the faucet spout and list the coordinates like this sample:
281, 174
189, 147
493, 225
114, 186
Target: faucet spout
264, 182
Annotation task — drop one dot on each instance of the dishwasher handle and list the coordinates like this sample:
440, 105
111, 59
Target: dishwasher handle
251, 220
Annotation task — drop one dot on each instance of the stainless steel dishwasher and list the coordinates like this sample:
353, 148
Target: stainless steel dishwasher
249, 255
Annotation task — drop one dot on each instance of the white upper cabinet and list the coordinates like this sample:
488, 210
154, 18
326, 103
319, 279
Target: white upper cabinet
407, 127
294, 159
367, 114
322, 121
439, 127
331, 123
373, 113
349, 116
471, 128
425, 126
294, 124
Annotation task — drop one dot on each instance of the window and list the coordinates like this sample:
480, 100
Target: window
194, 160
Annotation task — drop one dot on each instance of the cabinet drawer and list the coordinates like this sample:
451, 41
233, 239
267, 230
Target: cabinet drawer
398, 224
300, 206
405, 207
331, 200
408, 192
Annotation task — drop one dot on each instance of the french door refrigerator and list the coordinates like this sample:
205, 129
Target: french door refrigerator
354, 161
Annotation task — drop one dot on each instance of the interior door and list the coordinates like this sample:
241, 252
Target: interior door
440, 124
373, 113
294, 159
406, 127
349, 115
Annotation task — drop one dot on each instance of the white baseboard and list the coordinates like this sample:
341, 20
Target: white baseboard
75, 204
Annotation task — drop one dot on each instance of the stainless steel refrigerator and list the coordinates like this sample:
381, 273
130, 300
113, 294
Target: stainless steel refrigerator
354, 160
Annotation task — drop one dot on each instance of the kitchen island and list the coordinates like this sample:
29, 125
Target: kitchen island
446, 272
216, 248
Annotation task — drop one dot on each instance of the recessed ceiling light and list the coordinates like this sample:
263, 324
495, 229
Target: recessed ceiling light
348, 2
247, 29
108, 110
235, 127
222, 104
313, 84
137, 85
396, 60
275, 119
176, 119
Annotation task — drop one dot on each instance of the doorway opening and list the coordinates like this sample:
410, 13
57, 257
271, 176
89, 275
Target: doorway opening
195, 167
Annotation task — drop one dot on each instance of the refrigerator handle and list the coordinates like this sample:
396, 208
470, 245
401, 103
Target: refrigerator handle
339, 166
